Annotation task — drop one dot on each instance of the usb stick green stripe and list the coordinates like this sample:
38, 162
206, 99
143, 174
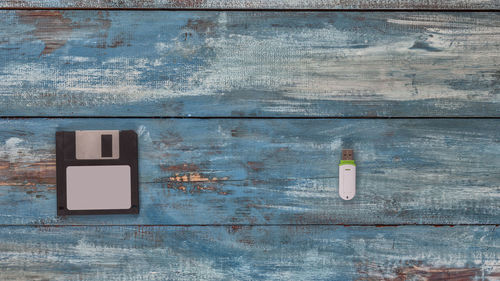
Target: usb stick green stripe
347, 162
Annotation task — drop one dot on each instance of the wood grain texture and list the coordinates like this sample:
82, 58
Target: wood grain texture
188, 63
257, 171
255, 4
250, 253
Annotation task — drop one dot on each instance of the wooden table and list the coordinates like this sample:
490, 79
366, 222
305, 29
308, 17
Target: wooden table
242, 108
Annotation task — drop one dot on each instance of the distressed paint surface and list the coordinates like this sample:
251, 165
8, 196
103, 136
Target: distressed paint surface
256, 4
251, 199
257, 171
198, 63
250, 253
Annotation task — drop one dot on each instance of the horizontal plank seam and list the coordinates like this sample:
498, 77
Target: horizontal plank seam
166, 181
236, 180
249, 117
257, 9
242, 225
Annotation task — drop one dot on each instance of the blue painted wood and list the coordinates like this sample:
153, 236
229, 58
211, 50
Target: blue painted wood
256, 4
249, 253
249, 171
198, 63
261, 188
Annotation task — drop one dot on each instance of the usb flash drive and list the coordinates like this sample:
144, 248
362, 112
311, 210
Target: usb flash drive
347, 175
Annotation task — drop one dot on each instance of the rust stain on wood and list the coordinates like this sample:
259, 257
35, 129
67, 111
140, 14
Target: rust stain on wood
116, 43
54, 29
100, 26
180, 168
418, 271
195, 177
194, 182
234, 228
51, 27
434, 274
244, 232
255, 166
27, 175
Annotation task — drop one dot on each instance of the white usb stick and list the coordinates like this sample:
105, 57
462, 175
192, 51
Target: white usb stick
347, 175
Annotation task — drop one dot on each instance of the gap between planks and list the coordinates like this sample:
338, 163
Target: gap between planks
382, 10
250, 117
244, 225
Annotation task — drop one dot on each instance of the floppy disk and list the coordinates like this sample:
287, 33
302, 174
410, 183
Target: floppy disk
97, 172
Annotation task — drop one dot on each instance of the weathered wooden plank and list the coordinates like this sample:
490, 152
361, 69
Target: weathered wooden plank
188, 63
258, 171
250, 253
255, 4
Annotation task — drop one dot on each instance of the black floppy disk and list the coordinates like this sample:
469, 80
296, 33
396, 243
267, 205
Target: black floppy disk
97, 172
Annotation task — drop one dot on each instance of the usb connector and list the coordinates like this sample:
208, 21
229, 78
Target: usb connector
347, 154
